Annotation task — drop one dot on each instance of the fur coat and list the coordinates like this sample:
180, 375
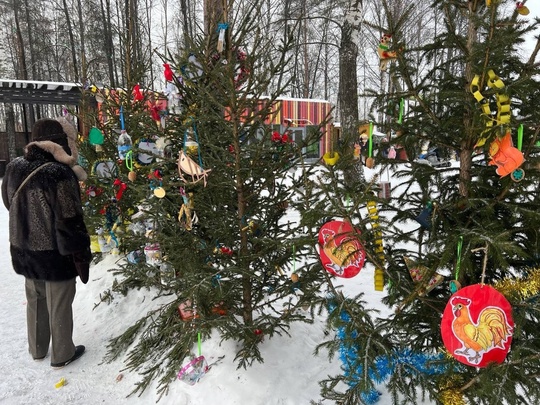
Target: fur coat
47, 232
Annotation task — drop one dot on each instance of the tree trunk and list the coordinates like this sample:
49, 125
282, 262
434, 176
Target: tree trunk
10, 129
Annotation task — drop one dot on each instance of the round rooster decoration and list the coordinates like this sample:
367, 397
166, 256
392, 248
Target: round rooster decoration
340, 251
477, 325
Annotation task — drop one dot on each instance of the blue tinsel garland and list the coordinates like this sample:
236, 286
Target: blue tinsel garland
428, 364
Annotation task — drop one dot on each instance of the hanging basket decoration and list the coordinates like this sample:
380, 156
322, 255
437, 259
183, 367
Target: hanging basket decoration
340, 251
477, 326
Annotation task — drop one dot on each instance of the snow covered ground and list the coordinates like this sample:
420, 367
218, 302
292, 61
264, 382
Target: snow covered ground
289, 375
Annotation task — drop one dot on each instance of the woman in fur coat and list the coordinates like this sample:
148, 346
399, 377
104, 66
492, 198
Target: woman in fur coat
49, 241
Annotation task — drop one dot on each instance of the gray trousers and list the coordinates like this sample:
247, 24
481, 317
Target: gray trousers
49, 314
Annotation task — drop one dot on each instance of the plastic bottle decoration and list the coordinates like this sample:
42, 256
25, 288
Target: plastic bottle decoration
477, 326
124, 144
152, 253
197, 367
171, 89
167, 272
222, 27
190, 146
340, 251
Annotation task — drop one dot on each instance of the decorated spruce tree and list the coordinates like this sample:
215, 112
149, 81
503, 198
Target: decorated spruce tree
459, 229
197, 190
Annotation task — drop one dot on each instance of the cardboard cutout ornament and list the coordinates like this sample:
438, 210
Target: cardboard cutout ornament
477, 326
340, 251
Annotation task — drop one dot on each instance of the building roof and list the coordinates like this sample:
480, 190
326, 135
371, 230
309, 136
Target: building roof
38, 92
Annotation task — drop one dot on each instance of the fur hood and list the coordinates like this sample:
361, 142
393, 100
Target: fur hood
58, 153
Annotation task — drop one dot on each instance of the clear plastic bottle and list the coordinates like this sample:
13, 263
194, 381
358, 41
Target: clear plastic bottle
124, 144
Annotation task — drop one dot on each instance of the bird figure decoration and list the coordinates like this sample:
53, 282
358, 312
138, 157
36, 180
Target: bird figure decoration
341, 252
491, 330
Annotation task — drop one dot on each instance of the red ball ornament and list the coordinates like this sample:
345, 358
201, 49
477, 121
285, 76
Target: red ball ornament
340, 250
477, 325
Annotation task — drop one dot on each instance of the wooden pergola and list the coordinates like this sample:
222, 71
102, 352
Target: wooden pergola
31, 92
36, 92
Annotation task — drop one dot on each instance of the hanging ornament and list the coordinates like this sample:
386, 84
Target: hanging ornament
124, 144
187, 216
340, 251
146, 151
104, 169
152, 253
186, 165
455, 284
477, 325
418, 273
379, 248
505, 156
156, 183
132, 174
121, 188
95, 137
222, 27
385, 55
424, 218
370, 162
137, 94
522, 8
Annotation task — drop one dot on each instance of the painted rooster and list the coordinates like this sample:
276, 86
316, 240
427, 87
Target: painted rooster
490, 331
346, 253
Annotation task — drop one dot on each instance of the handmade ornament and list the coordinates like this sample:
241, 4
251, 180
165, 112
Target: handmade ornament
379, 249
385, 55
502, 100
505, 156
146, 151
104, 169
124, 144
222, 27
522, 8
187, 216
95, 137
188, 166
424, 218
152, 253
477, 326
167, 272
137, 94
340, 251
121, 188
418, 274
156, 183
331, 158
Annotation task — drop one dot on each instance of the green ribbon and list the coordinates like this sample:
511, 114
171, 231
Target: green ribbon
370, 148
458, 264
520, 137
401, 106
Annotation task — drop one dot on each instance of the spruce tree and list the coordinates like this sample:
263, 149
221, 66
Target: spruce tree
203, 218
467, 91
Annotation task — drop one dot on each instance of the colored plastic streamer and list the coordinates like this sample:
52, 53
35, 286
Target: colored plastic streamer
370, 148
520, 137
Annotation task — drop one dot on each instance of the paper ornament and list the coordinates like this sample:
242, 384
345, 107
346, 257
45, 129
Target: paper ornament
477, 326
418, 273
340, 251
